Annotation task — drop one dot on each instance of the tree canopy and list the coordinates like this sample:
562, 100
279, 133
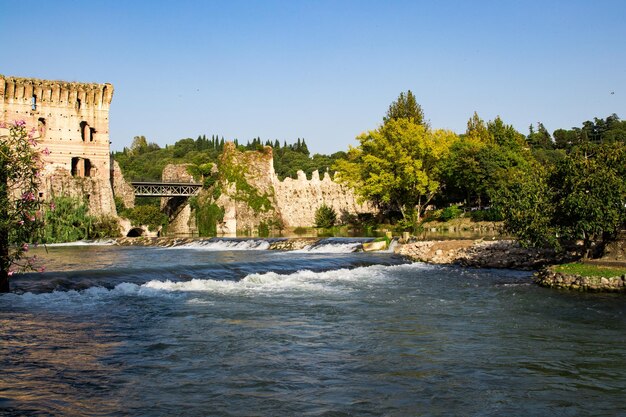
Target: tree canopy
582, 197
405, 107
397, 165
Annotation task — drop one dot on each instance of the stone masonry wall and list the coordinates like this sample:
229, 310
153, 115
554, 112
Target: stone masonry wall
72, 121
292, 201
121, 188
298, 199
181, 220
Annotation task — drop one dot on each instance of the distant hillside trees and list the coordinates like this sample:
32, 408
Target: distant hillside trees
144, 161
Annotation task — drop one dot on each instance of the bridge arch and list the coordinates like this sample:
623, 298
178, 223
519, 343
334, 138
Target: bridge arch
135, 232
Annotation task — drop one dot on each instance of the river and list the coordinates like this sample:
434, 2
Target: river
233, 329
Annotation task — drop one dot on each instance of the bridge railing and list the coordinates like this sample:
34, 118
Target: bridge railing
166, 189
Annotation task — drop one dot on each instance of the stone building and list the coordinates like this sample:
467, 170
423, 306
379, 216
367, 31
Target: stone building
72, 122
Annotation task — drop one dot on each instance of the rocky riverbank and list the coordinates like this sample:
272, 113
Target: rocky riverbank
478, 253
552, 279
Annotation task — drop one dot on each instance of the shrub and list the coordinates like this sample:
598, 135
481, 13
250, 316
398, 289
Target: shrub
486, 215
325, 217
207, 216
68, 220
150, 216
449, 213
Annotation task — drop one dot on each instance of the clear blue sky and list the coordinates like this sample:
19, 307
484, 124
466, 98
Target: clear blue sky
324, 70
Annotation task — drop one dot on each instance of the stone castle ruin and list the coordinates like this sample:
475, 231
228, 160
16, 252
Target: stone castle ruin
72, 121
290, 201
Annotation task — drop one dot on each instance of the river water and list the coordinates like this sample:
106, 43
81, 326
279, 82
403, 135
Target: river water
232, 329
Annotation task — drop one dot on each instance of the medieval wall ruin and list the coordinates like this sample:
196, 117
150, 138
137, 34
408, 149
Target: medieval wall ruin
292, 201
72, 121
299, 199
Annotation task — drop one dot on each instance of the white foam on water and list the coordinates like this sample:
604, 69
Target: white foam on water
305, 281
302, 282
330, 248
102, 242
392, 246
224, 245
85, 298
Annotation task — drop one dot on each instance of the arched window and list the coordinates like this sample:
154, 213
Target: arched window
33, 102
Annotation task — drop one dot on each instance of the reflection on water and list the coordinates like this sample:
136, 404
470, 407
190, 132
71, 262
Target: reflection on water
53, 364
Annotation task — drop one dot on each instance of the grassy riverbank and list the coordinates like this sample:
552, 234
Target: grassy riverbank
590, 270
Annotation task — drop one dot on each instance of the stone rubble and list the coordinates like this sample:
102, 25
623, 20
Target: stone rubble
551, 279
477, 253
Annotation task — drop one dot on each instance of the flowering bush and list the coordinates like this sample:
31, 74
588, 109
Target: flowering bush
20, 215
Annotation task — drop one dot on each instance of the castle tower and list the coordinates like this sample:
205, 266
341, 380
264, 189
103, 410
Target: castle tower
72, 120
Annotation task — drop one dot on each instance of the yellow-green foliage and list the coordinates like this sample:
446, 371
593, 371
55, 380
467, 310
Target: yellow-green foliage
397, 165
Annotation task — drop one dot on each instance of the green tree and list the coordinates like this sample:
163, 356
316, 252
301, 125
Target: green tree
20, 218
397, 166
487, 157
325, 217
148, 215
590, 186
540, 138
139, 145
582, 198
406, 107
529, 209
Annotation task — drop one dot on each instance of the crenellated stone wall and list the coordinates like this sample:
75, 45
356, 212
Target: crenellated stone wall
299, 199
71, 120
292, 202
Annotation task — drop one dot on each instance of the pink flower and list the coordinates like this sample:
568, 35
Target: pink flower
21, 222
10, 273
46, 151
32, 218
52, 206
25, 247
42, 269
28, 196
19, 123
3, 125
32, 142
